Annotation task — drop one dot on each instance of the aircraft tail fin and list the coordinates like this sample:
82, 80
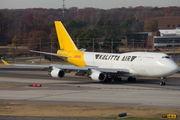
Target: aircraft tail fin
65, 41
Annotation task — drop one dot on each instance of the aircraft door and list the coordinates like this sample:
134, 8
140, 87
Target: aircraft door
138, 64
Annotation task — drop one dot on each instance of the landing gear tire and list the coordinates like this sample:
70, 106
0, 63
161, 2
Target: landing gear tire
131, 79
162, 83
117, 79
107, 80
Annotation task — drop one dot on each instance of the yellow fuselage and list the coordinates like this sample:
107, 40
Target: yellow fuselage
74, 57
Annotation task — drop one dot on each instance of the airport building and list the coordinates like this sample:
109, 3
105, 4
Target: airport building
168, 23
141, 39
168, 35
169, 28
167, 38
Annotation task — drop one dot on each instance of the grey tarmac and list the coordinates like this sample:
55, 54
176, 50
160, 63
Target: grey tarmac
75, 90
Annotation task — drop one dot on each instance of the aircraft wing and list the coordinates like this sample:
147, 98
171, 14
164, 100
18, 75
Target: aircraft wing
69, 67
73, 68
86, 68
113, 70
25, 65
65, 67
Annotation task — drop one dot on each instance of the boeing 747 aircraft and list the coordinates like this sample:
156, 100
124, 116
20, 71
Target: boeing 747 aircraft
104, 67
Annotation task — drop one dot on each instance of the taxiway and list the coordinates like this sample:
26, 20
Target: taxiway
73, 90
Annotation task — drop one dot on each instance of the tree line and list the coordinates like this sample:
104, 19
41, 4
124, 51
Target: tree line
29, 26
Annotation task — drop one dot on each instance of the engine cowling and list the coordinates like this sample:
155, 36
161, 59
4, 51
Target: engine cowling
57, 73
98, 76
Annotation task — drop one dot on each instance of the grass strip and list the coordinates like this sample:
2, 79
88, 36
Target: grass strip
80, 111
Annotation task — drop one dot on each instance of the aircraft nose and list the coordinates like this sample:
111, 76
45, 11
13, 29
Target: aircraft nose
175, 68
172, 68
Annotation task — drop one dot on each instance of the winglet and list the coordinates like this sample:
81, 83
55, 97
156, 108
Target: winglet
4, 62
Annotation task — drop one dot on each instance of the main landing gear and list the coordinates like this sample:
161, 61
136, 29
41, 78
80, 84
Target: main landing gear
162, 82
116, 78
110, 78
131, 79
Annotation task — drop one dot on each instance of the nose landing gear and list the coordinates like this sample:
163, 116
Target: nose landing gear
162, 82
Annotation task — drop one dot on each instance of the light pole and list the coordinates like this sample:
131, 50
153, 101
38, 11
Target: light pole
93, 45
78, 43
40, 48
112, 45
133, 44
51, 49
173, 51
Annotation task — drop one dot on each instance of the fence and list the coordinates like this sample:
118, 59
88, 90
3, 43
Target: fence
112, 45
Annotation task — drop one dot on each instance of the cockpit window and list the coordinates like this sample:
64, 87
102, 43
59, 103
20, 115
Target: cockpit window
166, 57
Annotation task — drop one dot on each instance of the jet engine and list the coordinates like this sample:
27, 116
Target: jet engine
57, 73
98, 76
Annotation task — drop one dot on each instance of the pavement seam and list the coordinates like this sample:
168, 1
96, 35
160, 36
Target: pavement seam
140, 89
53, 95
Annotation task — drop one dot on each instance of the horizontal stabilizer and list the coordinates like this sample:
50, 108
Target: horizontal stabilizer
47, 53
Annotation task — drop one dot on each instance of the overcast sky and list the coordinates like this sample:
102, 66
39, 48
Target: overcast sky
103, 4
